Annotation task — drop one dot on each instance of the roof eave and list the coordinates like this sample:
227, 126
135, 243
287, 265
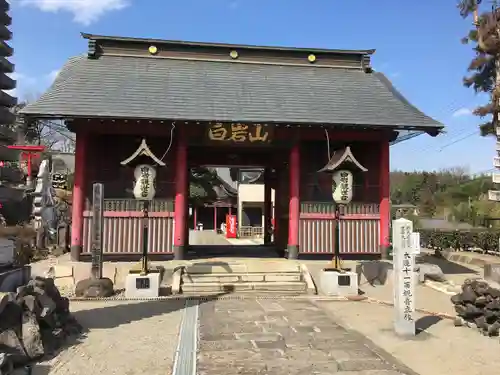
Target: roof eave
432, 130
226, 45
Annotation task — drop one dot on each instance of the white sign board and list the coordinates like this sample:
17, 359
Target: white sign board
494, 195
496, 162
495, 177
404, 277
342, 186
144, 187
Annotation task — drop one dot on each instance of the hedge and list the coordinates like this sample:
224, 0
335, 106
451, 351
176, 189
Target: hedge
484, 239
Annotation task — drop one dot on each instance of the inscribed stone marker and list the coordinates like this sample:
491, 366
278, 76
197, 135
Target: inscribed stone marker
404, 278
97, 229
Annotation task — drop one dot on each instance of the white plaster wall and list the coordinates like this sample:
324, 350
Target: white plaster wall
252, 193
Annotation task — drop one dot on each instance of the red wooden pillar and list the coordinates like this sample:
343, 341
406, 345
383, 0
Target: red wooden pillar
78, 196
294, 203
195, 219
268, 204
384, 197
181, 190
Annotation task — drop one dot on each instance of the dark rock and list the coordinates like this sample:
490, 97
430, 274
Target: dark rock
94, 288
34, 322
490, 316
11, 316
47, 304
456, 299
480, 322
6, 365
31, 337
481, 288
493, 292
32, 304
494, 329
481, 301
11, 344
493, 305
472, 311
460, 310
468, 294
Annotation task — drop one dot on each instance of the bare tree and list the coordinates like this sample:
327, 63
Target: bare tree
52, 134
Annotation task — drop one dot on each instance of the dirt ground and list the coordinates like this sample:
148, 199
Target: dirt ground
440, 349
122, 338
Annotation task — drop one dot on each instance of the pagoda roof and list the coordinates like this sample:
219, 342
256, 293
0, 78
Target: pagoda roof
126, 85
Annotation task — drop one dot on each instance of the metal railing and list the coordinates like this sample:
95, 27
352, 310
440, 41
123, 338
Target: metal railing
250, 232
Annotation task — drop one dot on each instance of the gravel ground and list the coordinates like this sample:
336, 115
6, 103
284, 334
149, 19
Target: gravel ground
122, 338
441, 349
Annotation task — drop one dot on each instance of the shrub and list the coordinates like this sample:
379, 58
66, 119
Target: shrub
484, 239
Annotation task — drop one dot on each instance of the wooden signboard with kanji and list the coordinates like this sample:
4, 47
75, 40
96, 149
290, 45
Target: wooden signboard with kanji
238, 133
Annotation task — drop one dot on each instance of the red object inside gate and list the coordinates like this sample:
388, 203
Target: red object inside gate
231, 226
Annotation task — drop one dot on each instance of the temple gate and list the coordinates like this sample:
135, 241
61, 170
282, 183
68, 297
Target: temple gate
287, 110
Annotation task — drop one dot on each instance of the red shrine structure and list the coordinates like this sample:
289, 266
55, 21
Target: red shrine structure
287, 110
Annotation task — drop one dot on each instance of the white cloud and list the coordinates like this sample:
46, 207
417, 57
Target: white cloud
84, 12
462, 112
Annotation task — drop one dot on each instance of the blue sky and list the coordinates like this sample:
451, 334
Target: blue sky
418, 47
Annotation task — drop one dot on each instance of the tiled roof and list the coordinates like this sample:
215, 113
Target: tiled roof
170, 89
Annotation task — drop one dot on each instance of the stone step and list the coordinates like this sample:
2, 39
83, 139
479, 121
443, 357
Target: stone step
276, 287
242, 277
250, 267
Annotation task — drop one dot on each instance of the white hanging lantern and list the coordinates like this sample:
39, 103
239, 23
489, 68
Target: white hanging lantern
342, 186
144, 185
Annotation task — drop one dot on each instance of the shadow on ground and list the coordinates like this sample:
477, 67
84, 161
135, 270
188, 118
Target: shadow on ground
424, 323
448, 268
236, 251
113, 316
33, 370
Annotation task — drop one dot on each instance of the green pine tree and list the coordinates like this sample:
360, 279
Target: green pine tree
485, 37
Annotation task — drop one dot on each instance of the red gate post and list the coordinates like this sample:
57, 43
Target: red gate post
181, 190
78, 196
384, 197
294, 203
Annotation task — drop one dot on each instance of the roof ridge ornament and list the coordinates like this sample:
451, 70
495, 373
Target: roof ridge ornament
341, 157
143, 149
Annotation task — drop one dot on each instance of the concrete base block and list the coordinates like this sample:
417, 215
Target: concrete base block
492, 272
137, 286
335, 283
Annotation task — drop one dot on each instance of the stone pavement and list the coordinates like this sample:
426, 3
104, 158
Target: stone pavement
264, 336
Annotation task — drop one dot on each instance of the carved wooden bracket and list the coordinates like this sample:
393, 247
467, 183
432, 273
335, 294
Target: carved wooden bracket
143, 149
341, 157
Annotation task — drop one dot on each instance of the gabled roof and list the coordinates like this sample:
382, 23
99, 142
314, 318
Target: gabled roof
119, 86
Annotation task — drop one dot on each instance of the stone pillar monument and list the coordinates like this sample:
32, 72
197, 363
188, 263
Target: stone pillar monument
404, 277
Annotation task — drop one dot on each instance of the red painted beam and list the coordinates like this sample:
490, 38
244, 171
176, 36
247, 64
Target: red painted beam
29, 148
